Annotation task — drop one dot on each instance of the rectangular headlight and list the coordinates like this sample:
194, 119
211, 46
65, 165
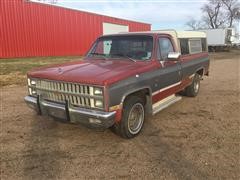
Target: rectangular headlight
32, 91
32, 87
31, 82
98, 103
98, 91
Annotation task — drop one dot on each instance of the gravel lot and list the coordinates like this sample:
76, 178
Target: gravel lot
196, 138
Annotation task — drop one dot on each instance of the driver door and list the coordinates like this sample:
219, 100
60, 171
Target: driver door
169, 74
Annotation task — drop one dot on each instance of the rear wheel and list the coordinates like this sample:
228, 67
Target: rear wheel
193, 89
133, 118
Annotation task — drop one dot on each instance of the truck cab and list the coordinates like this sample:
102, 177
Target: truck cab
122, 79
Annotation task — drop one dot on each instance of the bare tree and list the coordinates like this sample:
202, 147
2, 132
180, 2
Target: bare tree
194, 24
232, 11
217, 14
212, 14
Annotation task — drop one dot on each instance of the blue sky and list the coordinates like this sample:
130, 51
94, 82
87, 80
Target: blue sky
162, 14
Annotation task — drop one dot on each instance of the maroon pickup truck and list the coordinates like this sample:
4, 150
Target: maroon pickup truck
122, 79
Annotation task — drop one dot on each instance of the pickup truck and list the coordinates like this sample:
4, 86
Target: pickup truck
122, 79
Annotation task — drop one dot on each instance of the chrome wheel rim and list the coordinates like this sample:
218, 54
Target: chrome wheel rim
196, 86
135, 118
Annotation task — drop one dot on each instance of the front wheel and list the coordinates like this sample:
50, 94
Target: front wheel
133, 118
193, 89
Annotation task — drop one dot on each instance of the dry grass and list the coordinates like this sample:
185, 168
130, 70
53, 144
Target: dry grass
235, 53
13, 71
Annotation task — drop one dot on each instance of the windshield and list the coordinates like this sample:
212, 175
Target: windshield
135, 48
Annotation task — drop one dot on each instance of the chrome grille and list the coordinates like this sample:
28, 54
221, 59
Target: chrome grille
62, 87
76, 94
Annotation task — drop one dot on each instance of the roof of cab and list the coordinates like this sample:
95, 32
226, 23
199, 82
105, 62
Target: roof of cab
174, 33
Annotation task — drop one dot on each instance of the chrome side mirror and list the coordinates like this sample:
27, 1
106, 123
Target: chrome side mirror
173, 55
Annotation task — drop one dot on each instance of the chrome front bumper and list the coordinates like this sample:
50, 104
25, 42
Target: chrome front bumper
87, 117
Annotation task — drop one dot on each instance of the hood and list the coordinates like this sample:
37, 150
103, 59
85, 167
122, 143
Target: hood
98, 72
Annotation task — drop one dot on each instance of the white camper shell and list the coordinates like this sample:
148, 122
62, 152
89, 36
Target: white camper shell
187, 42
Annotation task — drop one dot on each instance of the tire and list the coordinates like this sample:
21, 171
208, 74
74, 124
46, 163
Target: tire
133, 118
193, 89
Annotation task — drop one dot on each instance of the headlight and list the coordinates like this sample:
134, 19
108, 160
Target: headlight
98, 103
98, 91
31, 82
32, 91
32, 87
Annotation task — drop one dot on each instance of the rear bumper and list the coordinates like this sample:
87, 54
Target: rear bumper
87, 117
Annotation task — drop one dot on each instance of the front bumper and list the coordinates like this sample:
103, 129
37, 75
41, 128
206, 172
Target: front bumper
87, 117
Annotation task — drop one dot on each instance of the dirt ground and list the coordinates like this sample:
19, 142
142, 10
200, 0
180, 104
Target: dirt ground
196, 138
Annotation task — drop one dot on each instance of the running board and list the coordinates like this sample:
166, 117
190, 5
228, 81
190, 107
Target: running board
165, 103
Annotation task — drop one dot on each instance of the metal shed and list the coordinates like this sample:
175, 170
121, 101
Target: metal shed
35, 29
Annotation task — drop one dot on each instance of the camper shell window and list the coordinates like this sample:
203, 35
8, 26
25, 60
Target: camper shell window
193, 45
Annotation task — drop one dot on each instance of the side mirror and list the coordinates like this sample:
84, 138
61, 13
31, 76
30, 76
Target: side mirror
173, 55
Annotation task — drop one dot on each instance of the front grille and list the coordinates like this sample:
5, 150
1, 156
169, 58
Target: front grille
76, 94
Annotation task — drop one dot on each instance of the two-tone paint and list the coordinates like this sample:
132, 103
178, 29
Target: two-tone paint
120, 78
161, 78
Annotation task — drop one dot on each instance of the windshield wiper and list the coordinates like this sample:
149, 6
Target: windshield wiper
125, 56
99, 54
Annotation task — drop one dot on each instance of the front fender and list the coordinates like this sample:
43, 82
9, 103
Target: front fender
120, 90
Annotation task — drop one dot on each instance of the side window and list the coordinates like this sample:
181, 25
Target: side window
184, 46
165, 46
204, 44
192, 46
195, 45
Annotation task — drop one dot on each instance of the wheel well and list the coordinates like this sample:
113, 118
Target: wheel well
143, 93
200, 72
